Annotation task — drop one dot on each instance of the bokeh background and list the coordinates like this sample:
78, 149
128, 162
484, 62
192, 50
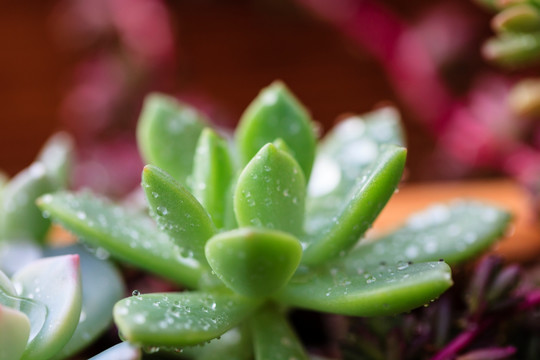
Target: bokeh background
84, 66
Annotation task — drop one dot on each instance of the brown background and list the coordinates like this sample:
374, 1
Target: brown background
227, 50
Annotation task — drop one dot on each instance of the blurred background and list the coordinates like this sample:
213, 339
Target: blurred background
85, 66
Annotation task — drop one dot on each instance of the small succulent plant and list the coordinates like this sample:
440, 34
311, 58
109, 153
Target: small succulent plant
49, 305
267, 220
517, 24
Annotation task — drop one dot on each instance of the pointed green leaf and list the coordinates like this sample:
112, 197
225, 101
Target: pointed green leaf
15, 329
381, 290
338, 232
347, 150
177, 212
56, 283
19, 216
254, 262
455, 232
273, 337
123, 350
179, 319
97, 306
276, 113
131, 237
513, 50
57, 155
212, 174
235, 344
167, 134
271, 192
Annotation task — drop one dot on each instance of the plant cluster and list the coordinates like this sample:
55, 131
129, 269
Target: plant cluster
266, 220
48, 303
517, 27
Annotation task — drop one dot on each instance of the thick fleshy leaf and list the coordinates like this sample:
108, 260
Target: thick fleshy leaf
339, 231
235, 344
56, 283
271, 192
36, 312
513, 50
454, 232
131, 237
167, 134
254, 262
347, 150
380, 290
212, 175
97, 306
123, 350
273, 337
15, 330
179, 319
518, 18
276, 113
177, 212
57, 156
19, 217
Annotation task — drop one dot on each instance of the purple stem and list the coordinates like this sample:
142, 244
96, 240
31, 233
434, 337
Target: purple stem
461, 341
530, 300
493, 353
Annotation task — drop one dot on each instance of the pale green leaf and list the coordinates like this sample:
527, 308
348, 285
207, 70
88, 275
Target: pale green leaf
235, 344
212, 175
14, 330
254, 262
347, 150
271, 192
177, 212
338, 232
179, 319
123, 351
98, 297
276, 113
130, 237
56, 283
19, 216
273, 337
379, 290
454, 232
167, 134
57, 156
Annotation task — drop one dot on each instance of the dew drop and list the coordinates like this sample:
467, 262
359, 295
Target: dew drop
402, 265
135, 293
162, 210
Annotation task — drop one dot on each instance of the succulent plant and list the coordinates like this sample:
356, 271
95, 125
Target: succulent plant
268, 220
52, 302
